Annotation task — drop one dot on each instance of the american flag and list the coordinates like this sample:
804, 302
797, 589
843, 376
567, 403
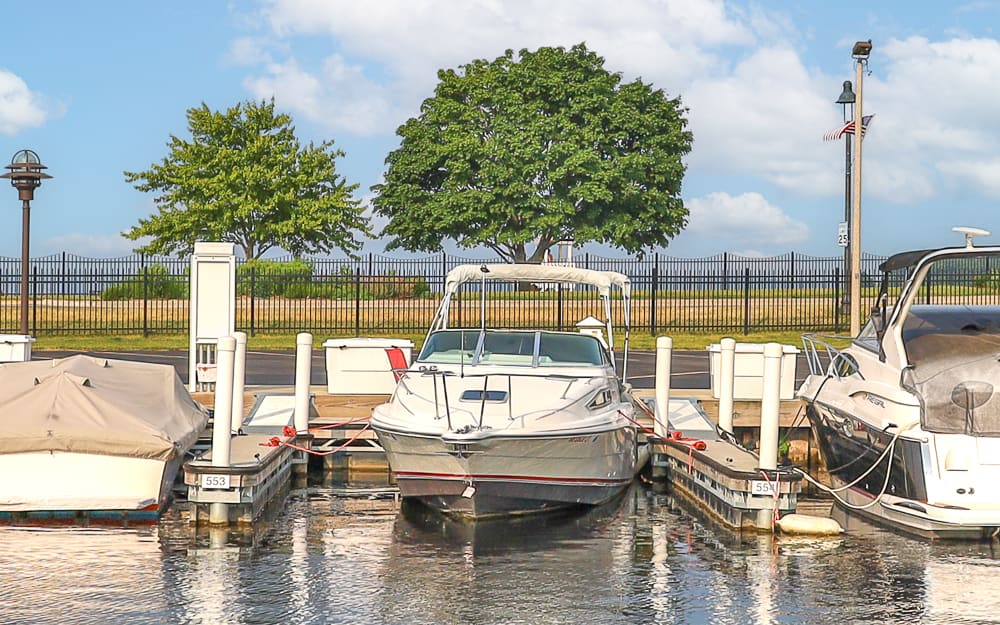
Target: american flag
848, 129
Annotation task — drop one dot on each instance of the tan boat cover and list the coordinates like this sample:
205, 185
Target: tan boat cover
92, 405
603, 280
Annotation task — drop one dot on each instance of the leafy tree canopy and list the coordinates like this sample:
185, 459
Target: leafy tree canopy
244, 178
546, 147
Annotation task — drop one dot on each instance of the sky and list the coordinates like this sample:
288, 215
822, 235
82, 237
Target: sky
98, 88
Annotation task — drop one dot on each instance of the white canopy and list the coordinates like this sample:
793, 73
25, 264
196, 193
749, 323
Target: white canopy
91, 405
603, 280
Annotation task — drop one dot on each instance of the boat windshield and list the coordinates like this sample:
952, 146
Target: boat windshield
512, 347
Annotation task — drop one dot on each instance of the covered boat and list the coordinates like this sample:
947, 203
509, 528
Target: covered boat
92, 434
490, 421
907, 416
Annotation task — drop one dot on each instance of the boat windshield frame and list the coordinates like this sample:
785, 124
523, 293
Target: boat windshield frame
517, 348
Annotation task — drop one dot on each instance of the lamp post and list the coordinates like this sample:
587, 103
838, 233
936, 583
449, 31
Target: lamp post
847, 97
860, 53
25, 175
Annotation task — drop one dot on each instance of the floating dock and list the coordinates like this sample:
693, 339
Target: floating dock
718, 475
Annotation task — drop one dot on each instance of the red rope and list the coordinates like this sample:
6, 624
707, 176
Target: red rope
329, 452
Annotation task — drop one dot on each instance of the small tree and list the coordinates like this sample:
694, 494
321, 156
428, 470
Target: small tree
534, 150
244, 178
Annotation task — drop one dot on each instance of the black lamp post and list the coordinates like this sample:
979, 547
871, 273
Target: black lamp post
25, 175
847, 100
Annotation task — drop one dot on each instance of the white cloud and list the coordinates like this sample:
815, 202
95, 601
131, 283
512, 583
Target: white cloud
766, 118
339, 97
393, 49
20, 107
745, 220
936, 114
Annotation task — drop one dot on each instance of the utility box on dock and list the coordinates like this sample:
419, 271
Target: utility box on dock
365, 366
15, 347
748, 371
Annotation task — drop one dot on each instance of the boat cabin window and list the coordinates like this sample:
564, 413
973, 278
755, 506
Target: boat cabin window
936, 332
513, 347
450, 346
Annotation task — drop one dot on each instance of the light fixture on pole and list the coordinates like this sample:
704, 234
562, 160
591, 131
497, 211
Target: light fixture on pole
25, 175
860, 53
847, 97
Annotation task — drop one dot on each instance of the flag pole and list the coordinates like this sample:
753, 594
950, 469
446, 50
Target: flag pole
860, 53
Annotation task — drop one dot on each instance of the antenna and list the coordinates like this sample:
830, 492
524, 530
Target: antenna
970, 234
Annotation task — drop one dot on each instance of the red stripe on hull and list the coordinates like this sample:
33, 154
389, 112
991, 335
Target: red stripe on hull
522, 478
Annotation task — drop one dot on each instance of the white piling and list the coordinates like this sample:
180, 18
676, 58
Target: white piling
770, 406
225, 354
218, 513
664, 350
727, 382
239, 380
303, 374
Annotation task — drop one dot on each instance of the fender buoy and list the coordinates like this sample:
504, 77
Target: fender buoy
804, 524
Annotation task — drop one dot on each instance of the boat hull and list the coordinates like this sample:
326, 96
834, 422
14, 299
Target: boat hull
74, 482
489, 476
850, 447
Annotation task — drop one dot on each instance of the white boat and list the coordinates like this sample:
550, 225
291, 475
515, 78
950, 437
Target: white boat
907, 417
84, 434
489, 422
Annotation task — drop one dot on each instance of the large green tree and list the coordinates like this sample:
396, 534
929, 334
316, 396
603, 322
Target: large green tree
528, 151
243, 177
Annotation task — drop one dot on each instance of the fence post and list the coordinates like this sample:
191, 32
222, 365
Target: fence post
253, 299
357, 300
654, 288
559, 306
725, 271
145, 295
34, 300
836, 299
746, 301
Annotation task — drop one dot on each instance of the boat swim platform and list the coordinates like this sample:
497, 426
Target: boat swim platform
719, 476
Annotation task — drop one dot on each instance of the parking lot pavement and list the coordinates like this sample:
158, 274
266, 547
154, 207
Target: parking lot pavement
690, 369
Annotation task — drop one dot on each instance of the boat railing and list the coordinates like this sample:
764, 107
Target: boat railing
820, 353
485, 397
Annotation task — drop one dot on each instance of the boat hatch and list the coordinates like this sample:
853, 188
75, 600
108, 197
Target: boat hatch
489, 396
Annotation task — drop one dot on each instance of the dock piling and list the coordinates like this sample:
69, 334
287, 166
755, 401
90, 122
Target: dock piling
770, 406
221, 437
239, 381
727, 382
664, 350
303, 374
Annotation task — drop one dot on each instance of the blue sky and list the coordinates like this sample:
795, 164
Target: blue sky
97, 88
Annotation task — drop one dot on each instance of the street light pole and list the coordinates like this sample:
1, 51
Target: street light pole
847, 97
860, 53
25, 175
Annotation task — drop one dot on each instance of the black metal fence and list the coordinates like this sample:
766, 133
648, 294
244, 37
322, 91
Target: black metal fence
378, 294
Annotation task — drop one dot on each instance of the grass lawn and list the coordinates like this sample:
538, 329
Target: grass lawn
638, 340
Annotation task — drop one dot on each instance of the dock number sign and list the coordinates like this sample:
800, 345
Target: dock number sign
214, 481
843, 238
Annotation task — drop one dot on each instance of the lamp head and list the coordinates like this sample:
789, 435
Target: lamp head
25, 173
862, 49
847, 95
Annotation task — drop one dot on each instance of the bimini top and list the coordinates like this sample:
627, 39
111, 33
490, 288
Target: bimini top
603, 280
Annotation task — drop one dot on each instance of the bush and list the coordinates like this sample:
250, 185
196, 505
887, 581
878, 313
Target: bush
269, 278
392, 286
156, 283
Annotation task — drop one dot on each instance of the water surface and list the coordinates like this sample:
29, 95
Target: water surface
325, 558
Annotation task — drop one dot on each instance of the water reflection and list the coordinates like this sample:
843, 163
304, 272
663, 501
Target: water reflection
647, 558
